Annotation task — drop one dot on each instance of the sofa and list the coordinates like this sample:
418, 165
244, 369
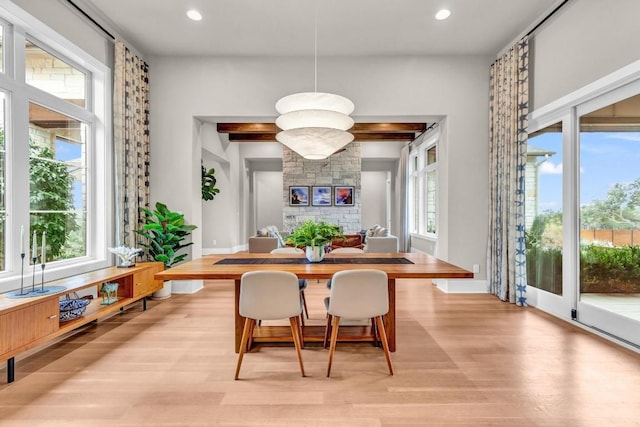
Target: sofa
349, 241
378, 240
266, 239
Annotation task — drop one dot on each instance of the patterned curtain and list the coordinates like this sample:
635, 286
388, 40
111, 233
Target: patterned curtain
508, 109
131, 142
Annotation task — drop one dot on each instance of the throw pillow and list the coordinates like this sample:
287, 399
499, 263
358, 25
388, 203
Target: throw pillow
382, 232
280, 239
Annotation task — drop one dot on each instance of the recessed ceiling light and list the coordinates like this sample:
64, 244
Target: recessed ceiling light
443, 14
194, 15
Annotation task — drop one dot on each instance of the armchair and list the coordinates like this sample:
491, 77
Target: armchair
266, 239
381, 244
379, 240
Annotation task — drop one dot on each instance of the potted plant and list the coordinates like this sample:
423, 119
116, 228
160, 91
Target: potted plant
314, 236
209, 190
164, 232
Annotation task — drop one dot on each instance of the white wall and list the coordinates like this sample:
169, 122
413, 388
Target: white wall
587, 40
268, 196
393, 87
373, 196
66, 21
213, 228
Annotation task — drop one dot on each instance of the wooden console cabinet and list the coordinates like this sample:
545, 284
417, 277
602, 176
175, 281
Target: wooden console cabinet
28, 322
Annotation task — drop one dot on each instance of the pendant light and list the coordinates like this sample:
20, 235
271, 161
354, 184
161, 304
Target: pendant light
314, 124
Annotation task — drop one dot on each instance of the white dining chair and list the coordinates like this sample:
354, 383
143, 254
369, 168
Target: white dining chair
287, 250
269, 295
358, 294
347, 251
344, 251
302, 283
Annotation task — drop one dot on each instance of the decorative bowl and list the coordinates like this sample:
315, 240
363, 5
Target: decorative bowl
72, 308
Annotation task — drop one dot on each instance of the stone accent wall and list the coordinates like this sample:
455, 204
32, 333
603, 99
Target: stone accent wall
342, 169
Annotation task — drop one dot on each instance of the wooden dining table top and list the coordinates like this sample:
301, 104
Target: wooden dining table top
419, 266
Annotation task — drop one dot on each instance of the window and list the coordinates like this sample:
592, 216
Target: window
57, 176
54, 155
543, 209
424, 185
53, 75
2, 39
3, 168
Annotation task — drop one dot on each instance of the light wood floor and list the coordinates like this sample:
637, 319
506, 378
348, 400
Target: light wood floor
461, 360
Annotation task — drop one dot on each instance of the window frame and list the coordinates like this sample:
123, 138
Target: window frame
418, 183
20, 27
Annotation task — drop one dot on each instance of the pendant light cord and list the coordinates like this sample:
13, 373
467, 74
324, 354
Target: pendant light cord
315, 47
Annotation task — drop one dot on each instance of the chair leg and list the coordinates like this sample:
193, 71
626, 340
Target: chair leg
301, 330
250, 340
304, 304
334, 339
385, 344
243, 344
295, 330
374, 332
327, 331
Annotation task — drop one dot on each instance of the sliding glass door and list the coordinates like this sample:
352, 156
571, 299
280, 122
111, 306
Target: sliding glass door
609, 235
543, 209
583, 211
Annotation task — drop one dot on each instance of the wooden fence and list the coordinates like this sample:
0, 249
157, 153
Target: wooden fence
615, 237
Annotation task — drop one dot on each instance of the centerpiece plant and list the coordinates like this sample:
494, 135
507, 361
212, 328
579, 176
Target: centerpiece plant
314, 236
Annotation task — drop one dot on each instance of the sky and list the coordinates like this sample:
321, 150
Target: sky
606, 158
66, 151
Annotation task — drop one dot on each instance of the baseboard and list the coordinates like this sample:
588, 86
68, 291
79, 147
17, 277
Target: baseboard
213, 251
462, 286
232, 250
186, 286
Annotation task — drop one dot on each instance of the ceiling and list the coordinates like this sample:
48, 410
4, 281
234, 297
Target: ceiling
345, 27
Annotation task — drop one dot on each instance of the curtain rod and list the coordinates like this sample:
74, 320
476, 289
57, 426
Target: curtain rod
86, 15
547, 17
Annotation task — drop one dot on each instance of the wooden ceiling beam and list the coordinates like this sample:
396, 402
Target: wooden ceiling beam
252, 137
357, 128
388, 127
266, 132
383, 136
358, 137
247, 128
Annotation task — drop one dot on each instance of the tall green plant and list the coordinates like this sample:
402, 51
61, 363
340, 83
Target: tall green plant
164, 232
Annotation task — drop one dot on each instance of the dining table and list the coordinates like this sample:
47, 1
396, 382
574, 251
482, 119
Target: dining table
398, 265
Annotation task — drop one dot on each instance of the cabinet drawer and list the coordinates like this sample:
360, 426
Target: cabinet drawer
22, 327
144, 283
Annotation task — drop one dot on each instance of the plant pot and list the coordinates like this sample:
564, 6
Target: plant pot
315, 253
163, 293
